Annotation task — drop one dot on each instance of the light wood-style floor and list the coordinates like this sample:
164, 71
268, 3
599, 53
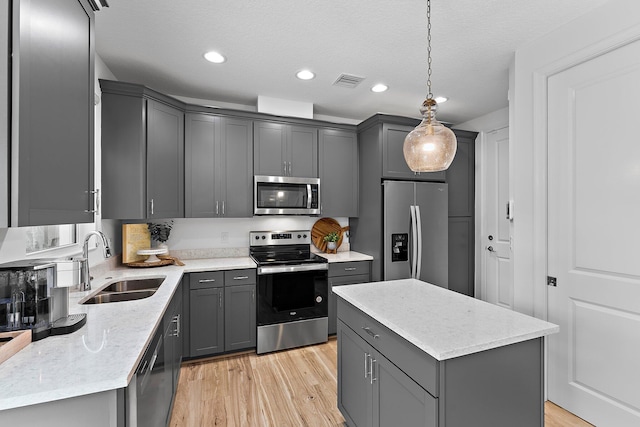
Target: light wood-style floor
290, 388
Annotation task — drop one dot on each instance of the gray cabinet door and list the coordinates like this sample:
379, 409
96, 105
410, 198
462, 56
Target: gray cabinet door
302, 151
461, 180
393, 163
269, 149
398, 400
240, 317
206, 320
461, 257
52, 113
338, 163
201, 157
355, 391
165, 161
236, 167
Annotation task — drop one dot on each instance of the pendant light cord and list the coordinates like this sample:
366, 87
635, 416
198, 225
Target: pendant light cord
429, 94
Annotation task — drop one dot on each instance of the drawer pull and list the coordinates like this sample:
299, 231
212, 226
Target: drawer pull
370, 332
241, 278
206, 280
350, 268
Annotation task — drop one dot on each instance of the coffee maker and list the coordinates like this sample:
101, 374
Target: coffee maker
34, 294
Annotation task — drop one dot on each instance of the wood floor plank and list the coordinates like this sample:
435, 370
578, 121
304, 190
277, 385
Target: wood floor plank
291, 388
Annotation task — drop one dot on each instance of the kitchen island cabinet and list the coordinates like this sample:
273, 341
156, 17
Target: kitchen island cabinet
414, 354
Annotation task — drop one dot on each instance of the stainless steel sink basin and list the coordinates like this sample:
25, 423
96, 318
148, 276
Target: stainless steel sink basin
119, 296
126, 290
133, 285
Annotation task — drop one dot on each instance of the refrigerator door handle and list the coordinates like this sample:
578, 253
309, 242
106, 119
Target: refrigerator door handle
413, 261
419, 242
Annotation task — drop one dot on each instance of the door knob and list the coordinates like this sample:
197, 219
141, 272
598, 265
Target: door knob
490, 249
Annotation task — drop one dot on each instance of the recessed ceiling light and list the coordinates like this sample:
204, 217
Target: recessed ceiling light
379, 88
441, 99
214, 57
305, 75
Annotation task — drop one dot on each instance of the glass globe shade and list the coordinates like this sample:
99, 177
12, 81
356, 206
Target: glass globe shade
431, 146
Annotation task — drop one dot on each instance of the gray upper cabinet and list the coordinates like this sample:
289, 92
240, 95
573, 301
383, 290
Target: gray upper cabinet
52, 131
338, 163
285, 150
393, 164
218, 166
142, 153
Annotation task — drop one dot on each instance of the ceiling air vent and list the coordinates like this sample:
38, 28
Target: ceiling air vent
348, 80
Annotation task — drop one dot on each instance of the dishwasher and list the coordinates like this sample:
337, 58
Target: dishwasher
151, 392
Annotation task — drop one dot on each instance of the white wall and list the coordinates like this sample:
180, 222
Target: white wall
614, 24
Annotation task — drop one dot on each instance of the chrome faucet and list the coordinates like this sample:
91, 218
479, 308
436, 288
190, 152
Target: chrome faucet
85, 277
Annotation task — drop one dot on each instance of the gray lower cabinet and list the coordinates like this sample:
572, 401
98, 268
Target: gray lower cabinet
218, 166
48, 107
285, 150
344, 273
222, 311
142, 153
372, 391
385, 380
338, 164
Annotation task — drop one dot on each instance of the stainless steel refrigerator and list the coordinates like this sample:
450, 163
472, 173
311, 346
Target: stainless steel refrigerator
415, 222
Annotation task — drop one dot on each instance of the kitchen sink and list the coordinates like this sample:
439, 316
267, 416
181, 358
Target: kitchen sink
126, 290
134, 285
102, 298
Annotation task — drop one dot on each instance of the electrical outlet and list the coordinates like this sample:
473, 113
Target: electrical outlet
224, 236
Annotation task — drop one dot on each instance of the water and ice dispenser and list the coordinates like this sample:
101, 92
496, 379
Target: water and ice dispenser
399, 247
34, 294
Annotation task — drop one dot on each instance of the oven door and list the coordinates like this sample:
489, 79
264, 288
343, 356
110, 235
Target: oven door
290, 296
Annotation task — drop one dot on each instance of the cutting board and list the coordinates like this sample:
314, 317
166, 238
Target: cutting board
321, 228
13, 342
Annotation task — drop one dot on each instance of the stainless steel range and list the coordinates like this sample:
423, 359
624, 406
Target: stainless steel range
292, 290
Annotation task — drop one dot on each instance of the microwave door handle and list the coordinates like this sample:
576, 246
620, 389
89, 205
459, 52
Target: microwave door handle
308, 196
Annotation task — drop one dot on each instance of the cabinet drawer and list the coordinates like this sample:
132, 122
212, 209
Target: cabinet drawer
349, 268
210, 279
417, 364
240, 277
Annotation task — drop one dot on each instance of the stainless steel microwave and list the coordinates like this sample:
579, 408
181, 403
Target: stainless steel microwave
285, 195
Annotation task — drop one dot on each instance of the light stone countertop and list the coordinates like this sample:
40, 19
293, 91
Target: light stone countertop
345, 256
103, 354
442, 323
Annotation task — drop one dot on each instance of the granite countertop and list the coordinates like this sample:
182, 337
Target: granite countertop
345, 256
103, 354
442, 323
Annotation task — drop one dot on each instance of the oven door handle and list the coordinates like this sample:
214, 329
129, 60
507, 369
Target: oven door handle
292, 268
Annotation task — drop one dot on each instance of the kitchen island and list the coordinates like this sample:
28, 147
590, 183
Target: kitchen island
411, 353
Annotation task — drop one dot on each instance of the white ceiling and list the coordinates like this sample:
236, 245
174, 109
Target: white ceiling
160, 43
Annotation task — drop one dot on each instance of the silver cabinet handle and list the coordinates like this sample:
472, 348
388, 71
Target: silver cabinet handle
370, 332
176, 320
284, 168
366, 369
220, 299
350, 268
151, 206
371, 378
217, 208
240, 277
223, 208
206, 280
289, 168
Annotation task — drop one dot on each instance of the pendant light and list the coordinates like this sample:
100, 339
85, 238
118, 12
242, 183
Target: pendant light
431, 146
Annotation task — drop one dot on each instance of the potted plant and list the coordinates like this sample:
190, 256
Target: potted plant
332, 240
160, 232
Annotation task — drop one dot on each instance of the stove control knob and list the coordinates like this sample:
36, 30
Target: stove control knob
304, 235
319, 299
264, 237
299, 236
257, 237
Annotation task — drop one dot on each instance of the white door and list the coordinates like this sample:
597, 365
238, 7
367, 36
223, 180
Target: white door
497, 268
594, 238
